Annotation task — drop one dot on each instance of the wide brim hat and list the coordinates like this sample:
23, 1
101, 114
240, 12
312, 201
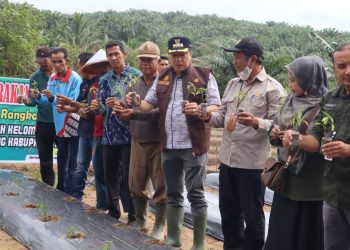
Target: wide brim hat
97, 64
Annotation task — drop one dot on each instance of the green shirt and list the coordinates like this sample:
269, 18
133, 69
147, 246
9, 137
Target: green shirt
307, 184
44, 110
336, 182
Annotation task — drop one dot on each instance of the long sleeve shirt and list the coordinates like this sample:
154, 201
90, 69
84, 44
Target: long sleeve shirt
68, 86
336, 176
246, 147
44, 109
115, 130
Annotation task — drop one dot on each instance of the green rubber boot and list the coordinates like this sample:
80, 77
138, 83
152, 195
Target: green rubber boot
199, 229
175, 218
159, 224
140, 206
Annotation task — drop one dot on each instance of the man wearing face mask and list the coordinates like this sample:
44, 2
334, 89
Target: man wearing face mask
249, 104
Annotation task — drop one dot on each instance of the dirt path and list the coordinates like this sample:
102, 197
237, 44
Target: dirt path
9, 243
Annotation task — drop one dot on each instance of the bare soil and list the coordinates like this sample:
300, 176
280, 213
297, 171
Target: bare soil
32, 170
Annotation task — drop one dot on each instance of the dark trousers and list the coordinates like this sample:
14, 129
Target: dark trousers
116, 161
45, 137
336, 227
66, 162
241, 199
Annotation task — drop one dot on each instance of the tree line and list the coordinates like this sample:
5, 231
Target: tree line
23, 28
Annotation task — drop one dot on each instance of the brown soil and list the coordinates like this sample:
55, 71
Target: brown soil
32, 170
49, 218
10, 194
76, 235
30, 206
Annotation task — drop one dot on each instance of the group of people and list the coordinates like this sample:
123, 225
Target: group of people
147, 131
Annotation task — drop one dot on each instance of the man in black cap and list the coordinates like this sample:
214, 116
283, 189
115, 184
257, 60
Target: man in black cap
249, 104
184, 136
45, 135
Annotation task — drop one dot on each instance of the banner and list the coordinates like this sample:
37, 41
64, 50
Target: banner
17, 123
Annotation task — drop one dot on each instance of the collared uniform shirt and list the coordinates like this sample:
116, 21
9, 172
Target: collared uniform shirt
246, 147
177, 134
336, 181
115, 130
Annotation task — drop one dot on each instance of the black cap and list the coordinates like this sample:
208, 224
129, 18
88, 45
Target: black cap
179, 44
249, 45
41, 53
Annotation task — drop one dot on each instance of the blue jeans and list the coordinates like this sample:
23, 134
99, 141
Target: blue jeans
66, 162
89, 148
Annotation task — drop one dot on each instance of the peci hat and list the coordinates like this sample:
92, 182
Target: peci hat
179, 44
42, 53
148, 49
97, 64
249, 45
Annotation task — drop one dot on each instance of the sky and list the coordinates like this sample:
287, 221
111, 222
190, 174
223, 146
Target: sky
318, 14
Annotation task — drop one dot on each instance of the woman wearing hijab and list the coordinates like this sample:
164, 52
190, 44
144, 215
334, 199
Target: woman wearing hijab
296, 213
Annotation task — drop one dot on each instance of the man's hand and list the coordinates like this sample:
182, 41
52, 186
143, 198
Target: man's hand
126, 114
85, 113
277, 133
110, 101
60, 108
22, 99
248, 119
118, 108
94, 105
336, 149
192, 108
133, 99
64, 100
47, 92
34, 93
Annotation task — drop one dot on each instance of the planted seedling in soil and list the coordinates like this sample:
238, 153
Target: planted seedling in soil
73, 233
10, 194
17, 181
31, 205
155, 242
107, 246
70, 199
44, 217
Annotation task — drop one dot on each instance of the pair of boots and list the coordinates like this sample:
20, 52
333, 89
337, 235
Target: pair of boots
175, 217
141, 206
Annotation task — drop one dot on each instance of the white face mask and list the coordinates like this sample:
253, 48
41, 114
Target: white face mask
245, 73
